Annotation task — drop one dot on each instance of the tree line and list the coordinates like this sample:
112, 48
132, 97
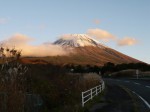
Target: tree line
108, 67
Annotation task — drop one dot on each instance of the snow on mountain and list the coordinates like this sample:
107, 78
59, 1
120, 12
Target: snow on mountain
77, 40
84, 50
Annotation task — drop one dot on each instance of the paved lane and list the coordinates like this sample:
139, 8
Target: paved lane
139, 87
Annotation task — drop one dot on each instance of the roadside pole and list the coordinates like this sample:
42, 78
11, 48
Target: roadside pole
137, 73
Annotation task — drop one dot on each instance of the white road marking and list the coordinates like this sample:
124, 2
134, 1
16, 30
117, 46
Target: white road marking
147, 86
146, 103
137, 83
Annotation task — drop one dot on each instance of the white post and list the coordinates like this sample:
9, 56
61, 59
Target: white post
103, 86
137, 73
82, 99
100, 88
96, 90
91, 94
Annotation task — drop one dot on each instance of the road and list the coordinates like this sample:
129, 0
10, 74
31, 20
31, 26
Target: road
141, 88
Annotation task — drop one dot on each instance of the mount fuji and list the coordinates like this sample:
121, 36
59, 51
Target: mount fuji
83, 50
90, 51
77, 40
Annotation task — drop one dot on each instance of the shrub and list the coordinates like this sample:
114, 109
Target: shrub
12, 79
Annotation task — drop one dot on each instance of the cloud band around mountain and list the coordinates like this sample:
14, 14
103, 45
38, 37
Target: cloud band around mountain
22, 42
101, 34
127, 41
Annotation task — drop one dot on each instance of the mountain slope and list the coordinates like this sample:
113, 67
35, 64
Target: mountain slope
84, 51
97, 56
88, 50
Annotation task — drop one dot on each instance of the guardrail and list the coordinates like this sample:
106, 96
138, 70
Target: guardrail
89, 94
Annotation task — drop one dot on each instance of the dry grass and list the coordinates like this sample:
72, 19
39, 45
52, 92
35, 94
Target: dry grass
124, 73
130, 73
86, 81
59, 90
12, 80
145, 74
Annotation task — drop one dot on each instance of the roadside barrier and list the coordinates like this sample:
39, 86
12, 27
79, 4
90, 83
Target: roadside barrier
89, 94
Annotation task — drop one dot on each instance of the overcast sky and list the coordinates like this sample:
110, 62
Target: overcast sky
120, 24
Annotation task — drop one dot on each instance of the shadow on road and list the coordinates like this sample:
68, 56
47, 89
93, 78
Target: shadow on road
116, 99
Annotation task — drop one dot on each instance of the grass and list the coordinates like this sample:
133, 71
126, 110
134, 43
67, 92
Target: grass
60, 91
90, 103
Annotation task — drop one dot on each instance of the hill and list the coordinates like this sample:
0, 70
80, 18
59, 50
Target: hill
82, 50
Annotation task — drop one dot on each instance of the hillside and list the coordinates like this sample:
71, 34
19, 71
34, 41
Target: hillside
82, 50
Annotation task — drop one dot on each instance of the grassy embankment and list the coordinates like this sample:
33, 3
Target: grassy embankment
59, 90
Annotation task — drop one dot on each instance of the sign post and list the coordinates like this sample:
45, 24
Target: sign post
137, 73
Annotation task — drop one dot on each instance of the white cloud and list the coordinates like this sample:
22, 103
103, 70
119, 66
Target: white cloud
3, 20
101, 34
18, 39
22, 42
96, 21
127, 41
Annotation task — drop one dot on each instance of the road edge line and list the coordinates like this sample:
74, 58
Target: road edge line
147, 104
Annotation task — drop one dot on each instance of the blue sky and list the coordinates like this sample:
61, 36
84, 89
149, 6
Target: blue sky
46, 20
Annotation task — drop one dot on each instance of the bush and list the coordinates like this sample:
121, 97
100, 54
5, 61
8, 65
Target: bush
58, 89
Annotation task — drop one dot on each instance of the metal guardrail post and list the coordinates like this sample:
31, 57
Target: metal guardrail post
96, 90
91, 94
82, 99
100, 88
103, 85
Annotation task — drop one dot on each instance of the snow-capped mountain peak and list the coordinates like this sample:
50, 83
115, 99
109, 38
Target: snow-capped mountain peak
77, 40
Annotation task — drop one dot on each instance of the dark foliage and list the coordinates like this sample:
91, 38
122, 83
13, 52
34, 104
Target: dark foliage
108, 67
54, 85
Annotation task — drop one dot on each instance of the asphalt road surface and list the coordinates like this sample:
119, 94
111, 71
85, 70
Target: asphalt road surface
141, 88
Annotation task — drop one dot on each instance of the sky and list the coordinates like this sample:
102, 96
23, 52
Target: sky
120, 24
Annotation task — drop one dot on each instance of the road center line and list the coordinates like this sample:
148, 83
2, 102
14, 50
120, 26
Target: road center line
147, 86
137, 83
146, 103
